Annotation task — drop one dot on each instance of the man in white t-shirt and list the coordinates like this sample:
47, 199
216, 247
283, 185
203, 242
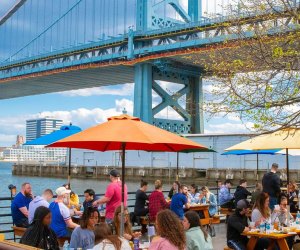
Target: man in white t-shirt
39, 201
61, 218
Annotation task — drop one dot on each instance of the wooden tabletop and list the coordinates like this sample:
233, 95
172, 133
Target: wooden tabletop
278, 238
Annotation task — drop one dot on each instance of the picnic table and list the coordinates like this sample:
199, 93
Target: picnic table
279, 238
202, 207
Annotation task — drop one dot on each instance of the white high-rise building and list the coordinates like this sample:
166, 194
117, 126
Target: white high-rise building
36, 128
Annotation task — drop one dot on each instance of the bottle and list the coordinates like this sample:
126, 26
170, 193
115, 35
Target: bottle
204, 200
136, 244
131, 244
276, 223
268, 228
298, 219
262, 227
66, 245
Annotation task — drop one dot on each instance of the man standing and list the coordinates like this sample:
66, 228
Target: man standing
113, 196
237, 223
20, 204
89, 198
271, 185
241, 192
39, 201
61, 218
225, 198
179, 200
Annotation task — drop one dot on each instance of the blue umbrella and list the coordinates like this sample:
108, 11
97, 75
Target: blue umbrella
251, 152
63, 132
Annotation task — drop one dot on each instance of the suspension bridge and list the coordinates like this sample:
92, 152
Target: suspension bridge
58, 45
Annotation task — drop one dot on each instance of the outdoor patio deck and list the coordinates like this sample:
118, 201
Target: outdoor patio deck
219, 242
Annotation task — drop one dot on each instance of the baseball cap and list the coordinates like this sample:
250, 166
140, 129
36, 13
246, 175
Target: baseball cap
242, 204
114, 173
61, 191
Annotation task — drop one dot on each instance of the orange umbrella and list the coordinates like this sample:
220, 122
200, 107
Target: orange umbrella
128, 133
125, 132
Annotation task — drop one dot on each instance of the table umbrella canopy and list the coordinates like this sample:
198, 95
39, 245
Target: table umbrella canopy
285, 139
130, 131
252, 152
56, 135
282, 139
125, 132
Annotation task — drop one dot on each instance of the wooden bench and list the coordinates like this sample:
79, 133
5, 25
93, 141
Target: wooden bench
226, 211
18, 231
216, 218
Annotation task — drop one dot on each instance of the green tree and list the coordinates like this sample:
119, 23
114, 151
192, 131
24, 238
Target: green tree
256, 76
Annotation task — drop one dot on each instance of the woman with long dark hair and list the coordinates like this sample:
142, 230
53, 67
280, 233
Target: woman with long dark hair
193, 195
170, 233
39, 234
104, 240
261, 210
83, 236
196, 236
174, 189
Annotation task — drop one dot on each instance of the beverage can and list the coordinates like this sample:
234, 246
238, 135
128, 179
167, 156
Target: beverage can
136, 244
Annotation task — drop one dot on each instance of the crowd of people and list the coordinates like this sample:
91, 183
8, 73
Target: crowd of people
269, 207
65, 218
177, 227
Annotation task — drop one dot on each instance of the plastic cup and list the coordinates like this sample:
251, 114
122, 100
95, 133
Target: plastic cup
151, 231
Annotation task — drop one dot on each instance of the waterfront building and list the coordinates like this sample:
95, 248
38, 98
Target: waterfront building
35, 154
36, 128
20, 141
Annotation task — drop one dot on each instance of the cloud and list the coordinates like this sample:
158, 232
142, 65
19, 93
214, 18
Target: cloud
121, 90
227, 128
82, 117
7, 140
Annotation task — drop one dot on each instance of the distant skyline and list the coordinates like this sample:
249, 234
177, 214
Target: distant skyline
85, 107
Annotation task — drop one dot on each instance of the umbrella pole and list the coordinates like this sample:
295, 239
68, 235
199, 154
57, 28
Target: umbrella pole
123, 185
69, 167
256, 168
287, 168
177, 169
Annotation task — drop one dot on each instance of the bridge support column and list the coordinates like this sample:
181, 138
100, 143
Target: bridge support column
195, 10
143, 77
194, 105
150, 77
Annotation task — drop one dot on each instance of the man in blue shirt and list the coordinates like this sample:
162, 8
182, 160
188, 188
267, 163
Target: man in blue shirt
20, 204
225, 198
179, 200
61, 218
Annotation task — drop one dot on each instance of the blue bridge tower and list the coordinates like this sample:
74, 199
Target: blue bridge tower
148, 75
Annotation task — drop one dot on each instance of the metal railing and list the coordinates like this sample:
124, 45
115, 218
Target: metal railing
130, 205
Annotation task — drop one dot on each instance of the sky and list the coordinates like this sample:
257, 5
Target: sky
87, 107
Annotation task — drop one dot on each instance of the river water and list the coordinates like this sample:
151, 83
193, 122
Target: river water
41, 183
